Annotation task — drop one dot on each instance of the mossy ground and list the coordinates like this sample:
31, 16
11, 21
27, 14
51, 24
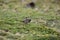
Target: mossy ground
45, 24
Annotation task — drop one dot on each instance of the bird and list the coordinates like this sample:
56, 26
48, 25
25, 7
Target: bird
26, 20
31, 4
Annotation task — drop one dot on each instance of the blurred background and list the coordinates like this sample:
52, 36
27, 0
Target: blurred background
44, 16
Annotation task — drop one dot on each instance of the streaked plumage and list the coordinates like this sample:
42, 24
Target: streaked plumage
26, 20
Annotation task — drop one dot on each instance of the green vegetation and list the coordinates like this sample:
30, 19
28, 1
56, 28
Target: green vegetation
45, 24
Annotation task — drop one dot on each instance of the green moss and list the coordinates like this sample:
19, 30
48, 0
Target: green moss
38, 29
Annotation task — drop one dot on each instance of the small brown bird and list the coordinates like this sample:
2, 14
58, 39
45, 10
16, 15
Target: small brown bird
26, 20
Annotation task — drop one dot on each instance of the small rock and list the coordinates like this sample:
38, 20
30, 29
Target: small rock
31, 4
